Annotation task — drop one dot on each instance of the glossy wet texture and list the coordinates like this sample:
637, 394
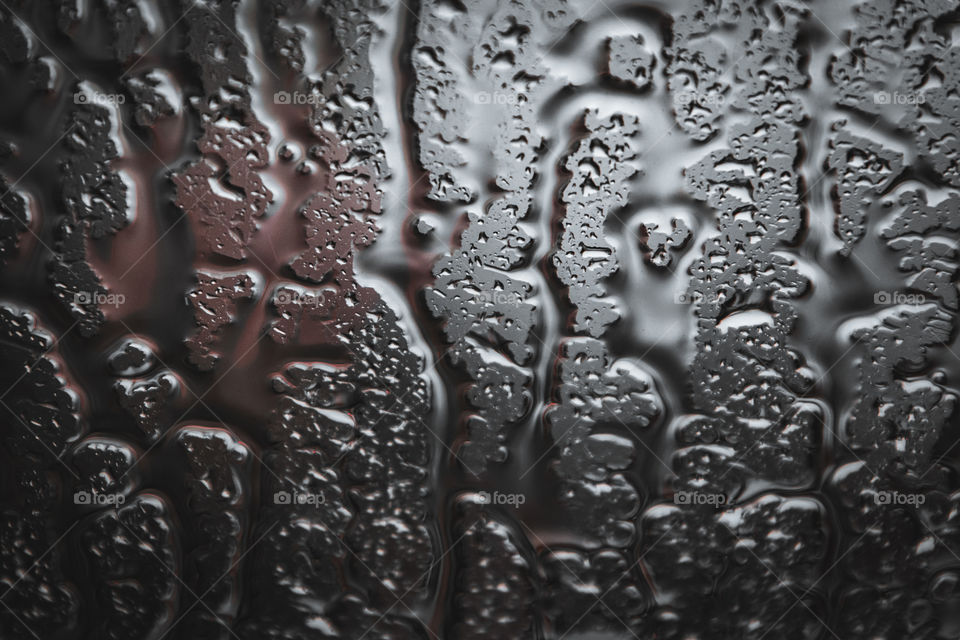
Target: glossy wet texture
479, 319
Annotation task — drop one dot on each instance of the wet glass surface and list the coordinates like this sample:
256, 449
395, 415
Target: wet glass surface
469, 319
